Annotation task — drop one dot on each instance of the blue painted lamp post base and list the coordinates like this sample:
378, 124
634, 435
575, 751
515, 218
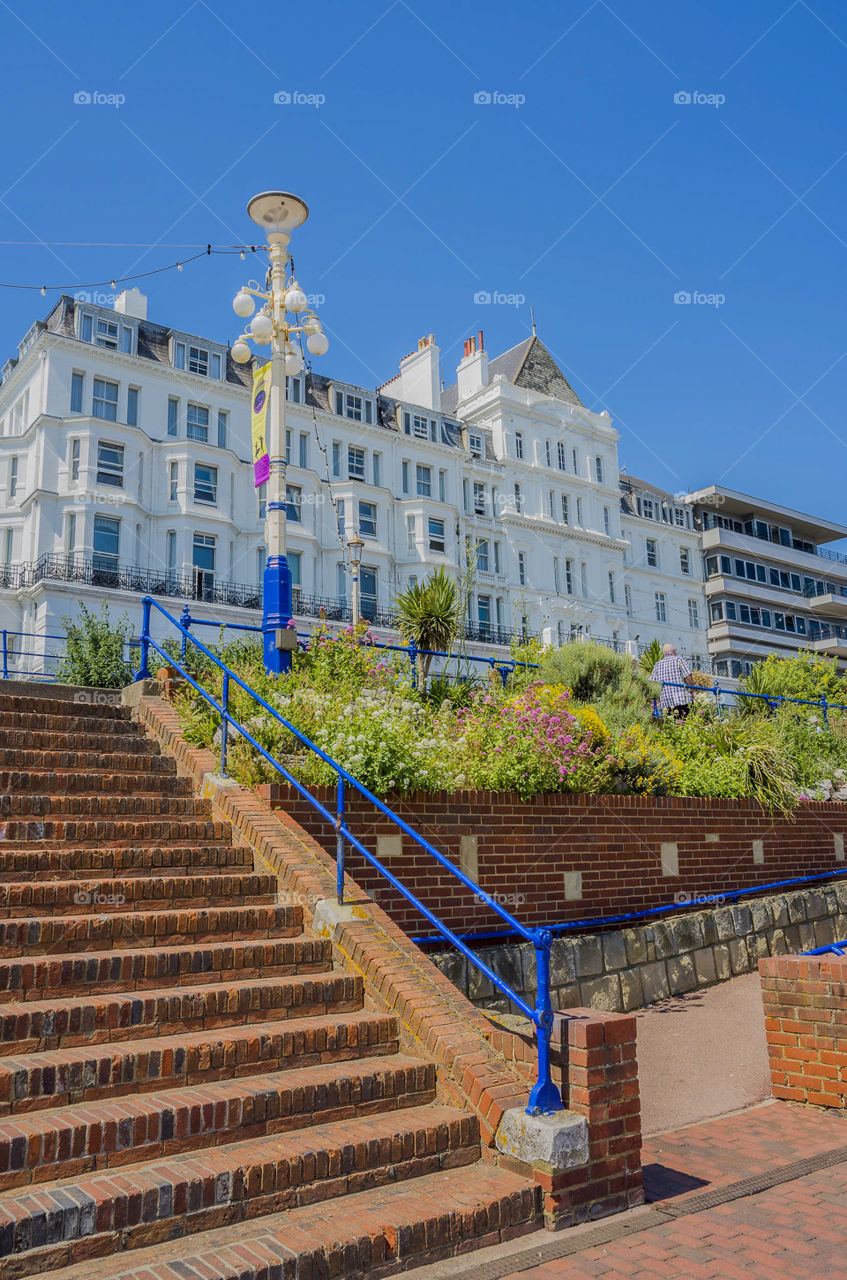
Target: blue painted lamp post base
276, 613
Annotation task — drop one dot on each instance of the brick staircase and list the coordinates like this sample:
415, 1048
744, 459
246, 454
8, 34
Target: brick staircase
189, 1087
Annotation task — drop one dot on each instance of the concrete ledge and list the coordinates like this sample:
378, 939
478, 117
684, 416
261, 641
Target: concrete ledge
551, 1143
132, 694
62, 692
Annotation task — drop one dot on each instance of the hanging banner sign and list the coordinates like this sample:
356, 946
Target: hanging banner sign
258, 418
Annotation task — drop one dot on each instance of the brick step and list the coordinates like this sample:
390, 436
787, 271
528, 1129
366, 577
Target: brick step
83, 704
107, 780
382, 1231
86, 1073
70, 1141
146, 929
59, 741
76, 721
46, 833
39, 977
143, 804
133, 893
86, 862
33, 1025
86, 761
188, 1192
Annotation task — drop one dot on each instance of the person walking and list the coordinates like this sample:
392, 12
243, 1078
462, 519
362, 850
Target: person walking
674, 675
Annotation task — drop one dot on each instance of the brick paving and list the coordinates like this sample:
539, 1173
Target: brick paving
794, 1229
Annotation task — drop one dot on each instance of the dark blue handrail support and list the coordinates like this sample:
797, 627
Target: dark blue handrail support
544, 1096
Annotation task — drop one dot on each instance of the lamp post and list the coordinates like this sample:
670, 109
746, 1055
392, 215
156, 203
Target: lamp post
355, 546
283, 313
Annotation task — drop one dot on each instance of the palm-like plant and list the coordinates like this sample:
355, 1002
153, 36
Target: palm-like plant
428, 615
650, 657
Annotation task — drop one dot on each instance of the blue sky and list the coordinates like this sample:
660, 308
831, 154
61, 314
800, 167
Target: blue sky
592, 192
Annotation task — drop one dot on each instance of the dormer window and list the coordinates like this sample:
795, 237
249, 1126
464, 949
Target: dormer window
198, 361
420, 426
102, 332
294, 390
475, 444
106, 334
349, 404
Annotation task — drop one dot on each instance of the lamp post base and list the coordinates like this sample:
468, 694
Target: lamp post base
276, 614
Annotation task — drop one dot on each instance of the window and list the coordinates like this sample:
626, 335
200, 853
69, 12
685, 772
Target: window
294, 503
482, 560
551, 504
598, 469
496, 557
106, 334
560, 454
77, 382
679, 518
436, 535
627, 595
110, 464
85, 328
522, 568
565, 509
205, 483
223, 428
684, 560
295, 567
293, 390
648, 509
478, 498
420, 426
693, 614
105, 403
203, 560
518, 497
569, 577
367, 519
607, 522
661, 607
518, 444
173, 492
547, 452
411, 533
342, 520
556, 580
74, 459
336, 459
579, 513
13, 477
716, 611
442, 486
106, 545
611, 588
262, 495
583, 577
376, 466
349, 405
179, 355
575, 461
173, 416
475, 444
70, 533
132, 406
355, 463
423, 480
198, 361
483, 612
652, 553
404, 473
197, 419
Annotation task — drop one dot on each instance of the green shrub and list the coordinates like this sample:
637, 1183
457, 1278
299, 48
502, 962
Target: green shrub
609, 681
805, 675
95, 650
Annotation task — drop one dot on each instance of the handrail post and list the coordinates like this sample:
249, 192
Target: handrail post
143, 672
413, 658
185, 622
339, 841
224, 721
5, 656
824, 705
544, 1096
717, 692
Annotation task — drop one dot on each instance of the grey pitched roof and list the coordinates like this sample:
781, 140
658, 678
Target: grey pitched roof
529, 365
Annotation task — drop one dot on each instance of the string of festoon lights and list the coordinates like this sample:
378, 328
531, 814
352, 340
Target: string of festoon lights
241, 249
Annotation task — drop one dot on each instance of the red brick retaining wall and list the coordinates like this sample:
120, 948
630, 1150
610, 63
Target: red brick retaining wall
805, 1000
574, 857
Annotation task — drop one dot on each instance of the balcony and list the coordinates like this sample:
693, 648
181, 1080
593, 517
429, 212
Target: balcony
186, 585
827, 605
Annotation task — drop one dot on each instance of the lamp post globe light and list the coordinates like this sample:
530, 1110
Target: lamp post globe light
283, 313
355, 546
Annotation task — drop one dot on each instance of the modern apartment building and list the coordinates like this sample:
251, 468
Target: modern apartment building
772, 583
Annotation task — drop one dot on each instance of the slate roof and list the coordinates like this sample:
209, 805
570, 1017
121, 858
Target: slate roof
529, 365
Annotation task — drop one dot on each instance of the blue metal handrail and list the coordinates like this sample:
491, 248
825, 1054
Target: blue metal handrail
772, 699
544, 1096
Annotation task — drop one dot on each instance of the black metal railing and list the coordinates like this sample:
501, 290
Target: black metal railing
98, 572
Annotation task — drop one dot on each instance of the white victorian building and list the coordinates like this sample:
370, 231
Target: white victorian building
125, 469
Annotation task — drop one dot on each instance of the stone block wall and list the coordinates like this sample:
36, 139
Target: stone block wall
629, 968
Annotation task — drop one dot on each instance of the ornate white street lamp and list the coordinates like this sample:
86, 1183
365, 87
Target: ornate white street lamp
283, 313
355, 546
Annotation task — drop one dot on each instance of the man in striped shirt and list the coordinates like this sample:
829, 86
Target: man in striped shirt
674, 675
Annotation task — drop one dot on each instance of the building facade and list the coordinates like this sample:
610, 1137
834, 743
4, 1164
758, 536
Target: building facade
125, 469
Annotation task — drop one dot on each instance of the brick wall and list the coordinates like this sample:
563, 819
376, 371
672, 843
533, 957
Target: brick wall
805, 1001
573, 857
